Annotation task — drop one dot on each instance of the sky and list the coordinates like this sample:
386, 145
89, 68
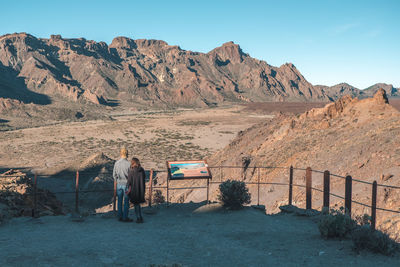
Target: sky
329, 41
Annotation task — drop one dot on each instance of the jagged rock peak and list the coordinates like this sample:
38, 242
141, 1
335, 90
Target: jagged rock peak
229, 51
55, 37
150, 42
16, 36
289, 66
123, 42
381, 97
22, 38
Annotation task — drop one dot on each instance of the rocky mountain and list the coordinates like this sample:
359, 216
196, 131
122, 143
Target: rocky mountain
349, 136
342, 89
339, 90
390, 90
141, 71
149, 73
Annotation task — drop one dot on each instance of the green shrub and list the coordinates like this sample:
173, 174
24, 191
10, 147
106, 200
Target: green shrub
335, 224
234, 194
364, 237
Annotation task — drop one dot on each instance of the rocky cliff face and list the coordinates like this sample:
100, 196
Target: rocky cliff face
142, 71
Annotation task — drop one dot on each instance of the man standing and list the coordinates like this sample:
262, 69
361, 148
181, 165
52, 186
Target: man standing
120, 175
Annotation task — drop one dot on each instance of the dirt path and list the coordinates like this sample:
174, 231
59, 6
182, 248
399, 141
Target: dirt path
181, 235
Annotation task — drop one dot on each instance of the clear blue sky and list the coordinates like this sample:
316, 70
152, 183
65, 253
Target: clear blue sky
357, 42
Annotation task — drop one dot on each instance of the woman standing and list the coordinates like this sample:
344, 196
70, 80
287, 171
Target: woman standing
136, 187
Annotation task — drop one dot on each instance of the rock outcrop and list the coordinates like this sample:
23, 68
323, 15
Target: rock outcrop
17, 197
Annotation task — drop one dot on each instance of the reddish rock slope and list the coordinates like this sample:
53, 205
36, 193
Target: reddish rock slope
141, 71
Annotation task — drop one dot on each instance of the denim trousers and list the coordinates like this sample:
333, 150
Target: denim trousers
122, 198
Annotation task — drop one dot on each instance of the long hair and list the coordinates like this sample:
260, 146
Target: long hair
135, 163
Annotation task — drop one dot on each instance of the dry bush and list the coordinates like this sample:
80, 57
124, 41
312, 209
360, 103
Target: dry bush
234, 194
158, 197
364, 237
364, 219
335, 224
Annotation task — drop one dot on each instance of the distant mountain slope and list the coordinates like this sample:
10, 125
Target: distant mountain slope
390, 90
142, 71
339, 90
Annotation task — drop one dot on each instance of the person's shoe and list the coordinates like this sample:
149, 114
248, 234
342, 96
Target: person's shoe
140, 220
128, 220
120, 219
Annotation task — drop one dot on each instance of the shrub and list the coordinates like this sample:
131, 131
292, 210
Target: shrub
234, 194
363, 219
364, 237
158, 197
335, 224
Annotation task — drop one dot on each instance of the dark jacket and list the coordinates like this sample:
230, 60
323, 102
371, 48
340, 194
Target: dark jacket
136, 180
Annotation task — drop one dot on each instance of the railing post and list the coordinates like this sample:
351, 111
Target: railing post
208, 189
373, 205
34, 210
290, 185
151, 187
308, 188
258, 187
327, 186
115, 196
347, 196
77, 192
167, 191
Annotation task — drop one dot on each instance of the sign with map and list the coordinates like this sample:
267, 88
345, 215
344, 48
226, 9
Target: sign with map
188, 169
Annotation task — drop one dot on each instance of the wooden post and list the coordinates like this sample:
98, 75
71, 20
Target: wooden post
168, 190
327, 186
290, 185
208, 189
168, 177
373, 205
115, 196
347, 195
151, 187
258, 187
308, 188
34, 210
77, 192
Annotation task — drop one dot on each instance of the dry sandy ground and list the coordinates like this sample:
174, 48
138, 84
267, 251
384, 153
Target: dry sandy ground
154, 137
178, 235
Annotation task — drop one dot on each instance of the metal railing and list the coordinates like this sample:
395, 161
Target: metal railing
308, 186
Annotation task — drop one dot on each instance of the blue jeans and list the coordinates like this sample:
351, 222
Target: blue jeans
122, 197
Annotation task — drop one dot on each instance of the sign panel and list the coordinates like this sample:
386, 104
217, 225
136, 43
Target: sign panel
188, 169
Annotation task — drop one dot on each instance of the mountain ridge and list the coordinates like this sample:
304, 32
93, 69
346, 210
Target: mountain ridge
144, 72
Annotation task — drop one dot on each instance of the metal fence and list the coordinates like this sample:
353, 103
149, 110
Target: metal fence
348, 181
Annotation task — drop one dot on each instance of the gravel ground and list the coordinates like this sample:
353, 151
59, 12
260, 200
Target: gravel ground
184, 234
